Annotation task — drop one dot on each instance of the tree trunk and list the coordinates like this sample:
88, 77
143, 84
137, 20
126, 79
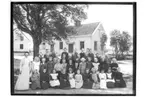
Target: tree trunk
36, 44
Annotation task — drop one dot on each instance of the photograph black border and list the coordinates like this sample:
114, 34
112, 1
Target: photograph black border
134, 4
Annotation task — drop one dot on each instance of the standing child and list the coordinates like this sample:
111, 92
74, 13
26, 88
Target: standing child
82, 66
89, 63
44, 80
96, 64
54, 82
102, 77
50, 65
78, 80
76, 66
70, 65
95, 79
58, 66
110, 80
35, 78
71, 78
64, 64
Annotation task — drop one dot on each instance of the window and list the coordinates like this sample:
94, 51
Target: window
95, 45
21, 38
60, 45
21, 46
82, 45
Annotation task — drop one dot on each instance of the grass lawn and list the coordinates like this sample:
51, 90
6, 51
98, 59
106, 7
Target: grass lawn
127, 90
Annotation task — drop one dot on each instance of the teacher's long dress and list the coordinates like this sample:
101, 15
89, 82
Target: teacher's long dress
23, 79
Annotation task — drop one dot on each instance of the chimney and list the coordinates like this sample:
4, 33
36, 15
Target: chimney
77, 23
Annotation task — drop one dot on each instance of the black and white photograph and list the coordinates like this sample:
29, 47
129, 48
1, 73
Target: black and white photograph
73, 48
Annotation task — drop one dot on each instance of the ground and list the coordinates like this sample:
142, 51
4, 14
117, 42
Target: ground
126, 67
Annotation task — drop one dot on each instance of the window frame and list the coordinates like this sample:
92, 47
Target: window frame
83, 45
61, 46
21, 46
95, 45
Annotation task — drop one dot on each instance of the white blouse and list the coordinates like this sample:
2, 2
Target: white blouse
36, 65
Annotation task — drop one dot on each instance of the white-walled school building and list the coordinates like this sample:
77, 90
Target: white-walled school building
85, 36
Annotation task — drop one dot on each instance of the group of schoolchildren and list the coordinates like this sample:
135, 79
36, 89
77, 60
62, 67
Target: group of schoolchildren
80, 70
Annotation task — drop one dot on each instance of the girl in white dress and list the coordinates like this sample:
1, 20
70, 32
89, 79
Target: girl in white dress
102, 77
71, 78
78, 80
23, 79
36, 64
54, 82
96, 64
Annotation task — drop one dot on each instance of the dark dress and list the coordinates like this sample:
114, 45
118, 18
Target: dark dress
50, 66
89, 65
35, 78
88, 82
119, 81
66, 54
47, 57
74, 57
113, 66
82, 55
64, 82
92, 56
44, 78
104, 65
70, 66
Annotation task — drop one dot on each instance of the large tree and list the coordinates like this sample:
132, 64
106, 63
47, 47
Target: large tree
121, 42
46, 21
125, 43
114, 41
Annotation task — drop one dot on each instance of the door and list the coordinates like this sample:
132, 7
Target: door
70, 48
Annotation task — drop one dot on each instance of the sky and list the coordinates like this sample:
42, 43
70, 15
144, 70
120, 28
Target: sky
112, 17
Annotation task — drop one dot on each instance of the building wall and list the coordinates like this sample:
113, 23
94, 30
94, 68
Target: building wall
96, 37
88, 41
72, 40
26, 45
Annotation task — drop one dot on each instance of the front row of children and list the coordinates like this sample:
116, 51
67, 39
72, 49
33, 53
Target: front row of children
93, 79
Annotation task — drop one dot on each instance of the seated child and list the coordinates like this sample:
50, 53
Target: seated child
110, 81
78, 80
102, 77
95, 79
44, 79
54, 82
96, 64
119, 81
35, 78
64, 83
87, 80
71, 78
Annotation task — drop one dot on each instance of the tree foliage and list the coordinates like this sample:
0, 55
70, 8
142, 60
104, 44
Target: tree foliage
121, 42
46, 21
103, 40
